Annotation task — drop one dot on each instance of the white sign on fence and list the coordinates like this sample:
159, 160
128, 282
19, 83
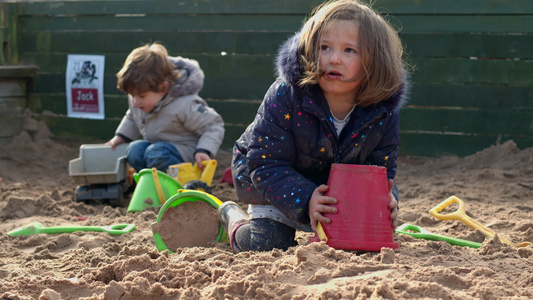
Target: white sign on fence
85, 86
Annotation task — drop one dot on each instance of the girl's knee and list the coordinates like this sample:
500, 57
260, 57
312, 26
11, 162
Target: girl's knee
242, 237
266, 234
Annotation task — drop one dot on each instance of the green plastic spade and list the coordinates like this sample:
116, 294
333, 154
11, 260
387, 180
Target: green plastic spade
37, 227
421, 233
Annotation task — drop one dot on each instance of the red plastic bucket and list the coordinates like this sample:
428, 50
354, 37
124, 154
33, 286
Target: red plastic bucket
362, 221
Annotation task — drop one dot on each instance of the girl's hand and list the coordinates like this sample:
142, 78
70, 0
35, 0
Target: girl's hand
116, 140
199, 157
319, 205
393, 205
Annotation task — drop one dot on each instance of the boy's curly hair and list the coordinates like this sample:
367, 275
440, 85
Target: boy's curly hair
145, 69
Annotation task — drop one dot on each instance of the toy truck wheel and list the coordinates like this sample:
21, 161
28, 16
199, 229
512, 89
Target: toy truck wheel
197, 185
119, 201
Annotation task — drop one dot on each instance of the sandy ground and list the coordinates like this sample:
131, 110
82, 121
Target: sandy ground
496, 185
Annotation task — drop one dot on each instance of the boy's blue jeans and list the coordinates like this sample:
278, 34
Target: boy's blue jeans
142, 154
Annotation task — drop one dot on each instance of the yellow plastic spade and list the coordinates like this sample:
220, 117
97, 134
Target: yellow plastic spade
460, 215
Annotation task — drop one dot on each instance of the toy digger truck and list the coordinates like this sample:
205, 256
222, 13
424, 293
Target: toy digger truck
192, 177
101, 174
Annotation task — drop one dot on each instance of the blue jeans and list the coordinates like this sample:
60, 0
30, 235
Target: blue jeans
265, 235
142, 154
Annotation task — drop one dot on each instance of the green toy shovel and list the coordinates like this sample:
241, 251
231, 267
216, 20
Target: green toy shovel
37, 227
421, 233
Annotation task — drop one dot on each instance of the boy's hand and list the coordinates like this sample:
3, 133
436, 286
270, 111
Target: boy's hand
319, 205
199, 157
116, 140
393, 205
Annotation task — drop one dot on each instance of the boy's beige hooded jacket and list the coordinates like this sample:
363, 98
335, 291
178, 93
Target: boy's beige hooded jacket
182, 118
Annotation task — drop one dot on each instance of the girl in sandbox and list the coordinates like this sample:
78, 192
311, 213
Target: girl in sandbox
341, 82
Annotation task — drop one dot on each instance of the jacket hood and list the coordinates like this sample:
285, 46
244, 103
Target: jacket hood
191, 79
288, 69
287, 64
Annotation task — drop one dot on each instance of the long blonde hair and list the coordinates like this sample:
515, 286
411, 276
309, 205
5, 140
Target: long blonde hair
380, 48
145, 69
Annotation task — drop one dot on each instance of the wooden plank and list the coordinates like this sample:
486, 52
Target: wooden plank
18, 71
495, 97
184, 42
435, 145
468, 44
12, 106
235, 88
439, 7
236, 112
115, 106
470, 71
75, 127
407, 23
176, 42
463, 23
232, 134
12, 87
180, 42
167, 6
168, 22
8, 33
260, 6
50, 62
464, 121
256, 66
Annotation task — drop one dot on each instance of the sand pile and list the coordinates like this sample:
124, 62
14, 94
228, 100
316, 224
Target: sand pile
496, 185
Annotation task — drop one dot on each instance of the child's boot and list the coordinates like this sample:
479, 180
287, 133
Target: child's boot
232, 217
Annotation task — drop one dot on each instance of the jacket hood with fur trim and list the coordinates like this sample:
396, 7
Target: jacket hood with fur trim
191, 80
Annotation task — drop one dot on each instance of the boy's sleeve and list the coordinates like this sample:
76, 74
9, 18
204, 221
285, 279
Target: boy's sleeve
207, 124
128, 128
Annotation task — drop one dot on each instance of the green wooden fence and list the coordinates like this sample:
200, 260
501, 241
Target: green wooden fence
472, 84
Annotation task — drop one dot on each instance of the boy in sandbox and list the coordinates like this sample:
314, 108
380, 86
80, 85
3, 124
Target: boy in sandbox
341, 82
176, 124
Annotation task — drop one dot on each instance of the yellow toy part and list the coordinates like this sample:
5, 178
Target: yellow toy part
460, 214
192, 176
